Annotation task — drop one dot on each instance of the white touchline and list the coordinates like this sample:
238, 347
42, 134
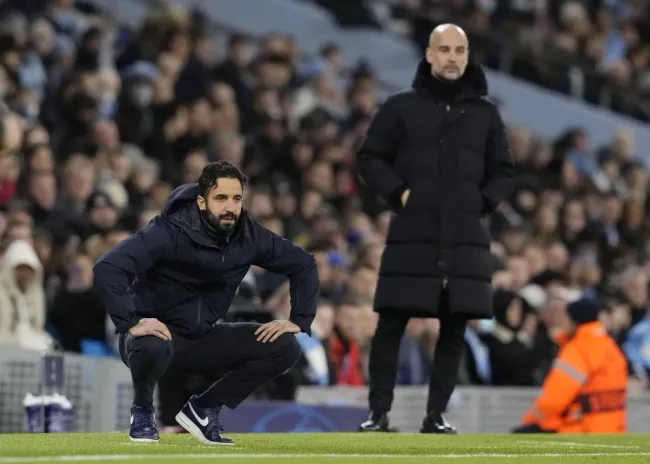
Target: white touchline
124, 457
574, 443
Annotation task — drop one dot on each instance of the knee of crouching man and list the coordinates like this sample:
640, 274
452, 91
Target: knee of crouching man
291, 350
152, 347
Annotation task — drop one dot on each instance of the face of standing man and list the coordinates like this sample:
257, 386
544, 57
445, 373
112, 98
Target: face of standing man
448, 52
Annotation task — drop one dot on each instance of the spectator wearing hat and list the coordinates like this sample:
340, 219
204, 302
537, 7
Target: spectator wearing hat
22, 299
586, 389
134, 116
102, 215
510, 342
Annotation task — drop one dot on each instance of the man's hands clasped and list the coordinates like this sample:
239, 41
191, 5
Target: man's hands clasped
151, 326
271, 331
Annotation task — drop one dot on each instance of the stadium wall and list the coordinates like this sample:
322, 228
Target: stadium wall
100, 389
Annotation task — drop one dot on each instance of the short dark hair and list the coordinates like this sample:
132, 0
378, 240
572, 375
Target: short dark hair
219, 170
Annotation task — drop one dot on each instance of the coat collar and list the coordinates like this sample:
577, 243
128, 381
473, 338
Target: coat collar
200, 235
473, 82
181, 209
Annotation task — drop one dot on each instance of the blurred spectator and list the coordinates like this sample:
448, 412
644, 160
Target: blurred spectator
414, 363
22, 300
345, 349
510, 342
315, 366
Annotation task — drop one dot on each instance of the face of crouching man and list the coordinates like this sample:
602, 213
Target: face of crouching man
448, 52
222, 203
221, 192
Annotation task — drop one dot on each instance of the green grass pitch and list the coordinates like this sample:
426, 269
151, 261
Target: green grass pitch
336, 448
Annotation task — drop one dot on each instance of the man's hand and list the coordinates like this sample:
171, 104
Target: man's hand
150, 327
271, 331
405, 196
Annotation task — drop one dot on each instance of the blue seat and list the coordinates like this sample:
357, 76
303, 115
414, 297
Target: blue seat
95, 348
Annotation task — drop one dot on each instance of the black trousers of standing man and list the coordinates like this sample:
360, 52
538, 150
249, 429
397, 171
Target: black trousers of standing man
229, 347
384, 355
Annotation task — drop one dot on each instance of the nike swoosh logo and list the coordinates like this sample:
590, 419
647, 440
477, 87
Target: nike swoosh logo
203, 422
131, 421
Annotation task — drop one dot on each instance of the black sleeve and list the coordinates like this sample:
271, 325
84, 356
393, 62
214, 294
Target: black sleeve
279, 255
499, 165
115, 271
378, 151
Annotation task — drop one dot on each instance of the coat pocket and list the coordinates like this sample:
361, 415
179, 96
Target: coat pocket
409, 200
414, 201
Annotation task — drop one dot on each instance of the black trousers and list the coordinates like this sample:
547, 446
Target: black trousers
230, 348
384, 355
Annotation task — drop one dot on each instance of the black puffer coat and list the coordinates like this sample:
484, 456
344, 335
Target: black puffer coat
454, 158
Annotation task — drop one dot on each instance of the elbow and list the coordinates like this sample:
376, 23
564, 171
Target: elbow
362, 161
311, 260
310, 266
99, 271
309, 274
362, 155
104, 273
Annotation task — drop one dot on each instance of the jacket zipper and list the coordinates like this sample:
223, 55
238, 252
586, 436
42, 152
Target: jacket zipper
445, 279
441, 262
198, 316
223, 251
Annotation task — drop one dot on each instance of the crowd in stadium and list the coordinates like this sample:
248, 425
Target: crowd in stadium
596, 50
100, 123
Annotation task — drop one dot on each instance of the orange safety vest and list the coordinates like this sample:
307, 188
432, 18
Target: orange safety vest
586, 389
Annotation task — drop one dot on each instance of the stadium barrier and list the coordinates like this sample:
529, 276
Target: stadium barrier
471, 409
286, 417
100, 389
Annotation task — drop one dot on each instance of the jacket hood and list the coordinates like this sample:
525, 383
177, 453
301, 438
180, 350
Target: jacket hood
20, 253
180, 199
473, 80
182, 210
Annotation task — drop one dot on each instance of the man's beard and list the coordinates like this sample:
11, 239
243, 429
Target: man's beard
218, 223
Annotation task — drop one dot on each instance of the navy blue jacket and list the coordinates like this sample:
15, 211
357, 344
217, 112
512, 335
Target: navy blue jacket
175, 272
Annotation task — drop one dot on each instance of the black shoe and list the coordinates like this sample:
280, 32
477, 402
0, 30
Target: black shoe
203, 423
435, 423
377, 422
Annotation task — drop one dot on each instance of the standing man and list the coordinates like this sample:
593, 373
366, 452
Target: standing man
439, 156
167, 287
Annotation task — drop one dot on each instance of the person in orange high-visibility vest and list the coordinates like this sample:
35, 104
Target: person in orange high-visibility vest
586, 389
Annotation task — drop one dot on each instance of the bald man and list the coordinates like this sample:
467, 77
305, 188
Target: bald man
439, 157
